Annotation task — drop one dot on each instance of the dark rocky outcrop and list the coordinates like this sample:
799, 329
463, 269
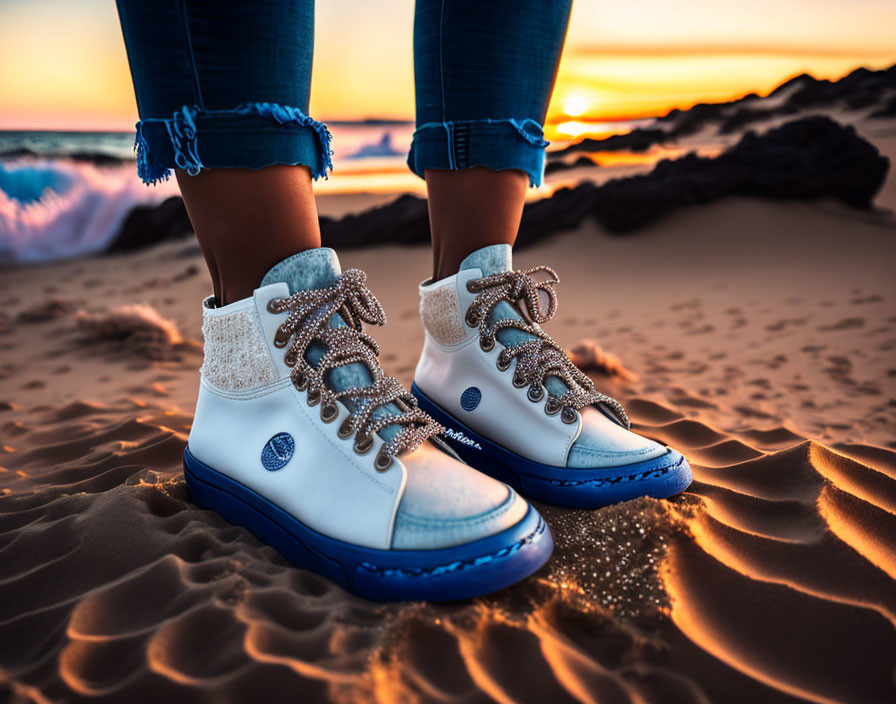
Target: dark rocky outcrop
860, 89
888, 109
638, 140
580, 163
814, 157
148, 224
403, 221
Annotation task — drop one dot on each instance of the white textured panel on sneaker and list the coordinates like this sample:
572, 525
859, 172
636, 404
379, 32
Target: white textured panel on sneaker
605, 443
236, 354
441, 313
447, 503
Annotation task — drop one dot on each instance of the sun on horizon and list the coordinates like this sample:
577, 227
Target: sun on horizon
621, 62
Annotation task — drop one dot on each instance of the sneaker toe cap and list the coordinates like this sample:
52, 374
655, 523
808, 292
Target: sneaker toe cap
448, 503
604, 443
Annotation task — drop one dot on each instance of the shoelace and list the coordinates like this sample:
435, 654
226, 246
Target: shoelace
309, 321
539, 358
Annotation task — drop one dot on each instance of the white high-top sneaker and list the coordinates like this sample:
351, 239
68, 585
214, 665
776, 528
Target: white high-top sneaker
300, 437
512, 403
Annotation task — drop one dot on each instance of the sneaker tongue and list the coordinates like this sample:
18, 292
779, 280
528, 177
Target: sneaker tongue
491, 260
313, 268
319, 268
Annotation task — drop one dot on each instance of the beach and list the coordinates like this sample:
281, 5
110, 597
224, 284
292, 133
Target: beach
734, 291
755, 335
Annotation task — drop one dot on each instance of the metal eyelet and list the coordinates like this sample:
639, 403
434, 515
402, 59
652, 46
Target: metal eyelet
470, 286
502, 364
363, 443
346, 429
281, 339
382, 461
328, 412
553, 406
272, 303
568, 415
313, 397
486, 344
471, 319
300, 381
519, 382
536, 393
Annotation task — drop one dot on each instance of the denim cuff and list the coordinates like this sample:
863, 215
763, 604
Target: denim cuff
253, 135
496, 144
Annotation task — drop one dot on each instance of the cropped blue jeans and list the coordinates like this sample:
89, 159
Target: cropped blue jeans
224, 83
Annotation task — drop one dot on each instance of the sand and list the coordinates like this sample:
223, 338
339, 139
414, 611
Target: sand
760, 338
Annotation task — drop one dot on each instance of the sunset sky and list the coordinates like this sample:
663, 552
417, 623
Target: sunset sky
63, 64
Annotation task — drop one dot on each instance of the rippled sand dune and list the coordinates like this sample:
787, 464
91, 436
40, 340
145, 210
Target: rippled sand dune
772, 575
773, 579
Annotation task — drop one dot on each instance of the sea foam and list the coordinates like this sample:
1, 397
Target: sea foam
55, 209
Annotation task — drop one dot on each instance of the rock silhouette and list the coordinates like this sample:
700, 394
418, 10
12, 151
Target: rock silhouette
813, 157
860, 89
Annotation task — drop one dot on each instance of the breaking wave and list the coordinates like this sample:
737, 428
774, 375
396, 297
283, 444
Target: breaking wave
51, 209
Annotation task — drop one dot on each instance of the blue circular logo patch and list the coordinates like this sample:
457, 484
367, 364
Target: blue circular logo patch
278, 451
470, 398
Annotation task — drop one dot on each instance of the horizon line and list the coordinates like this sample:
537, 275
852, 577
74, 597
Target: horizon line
554, 121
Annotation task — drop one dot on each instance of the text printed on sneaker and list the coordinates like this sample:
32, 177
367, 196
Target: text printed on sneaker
461, 438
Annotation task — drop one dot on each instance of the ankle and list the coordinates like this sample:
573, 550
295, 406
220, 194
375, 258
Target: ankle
448, 261
239, 278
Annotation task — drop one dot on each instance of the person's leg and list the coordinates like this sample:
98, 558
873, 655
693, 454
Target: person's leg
470, 209
298, 433
514, 404
272, 209
223, 90
484, 75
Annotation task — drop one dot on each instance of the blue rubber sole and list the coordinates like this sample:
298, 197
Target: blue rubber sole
660, 477
445, 574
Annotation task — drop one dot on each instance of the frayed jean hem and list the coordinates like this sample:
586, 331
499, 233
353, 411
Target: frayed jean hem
494, 143
252, 135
